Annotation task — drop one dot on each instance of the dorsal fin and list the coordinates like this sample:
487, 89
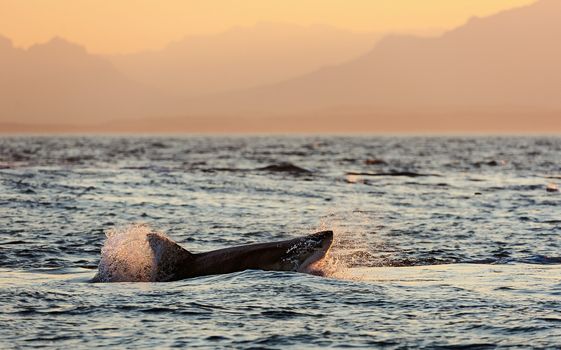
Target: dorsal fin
169, 256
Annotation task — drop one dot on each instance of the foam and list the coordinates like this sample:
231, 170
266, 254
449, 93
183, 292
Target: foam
350, 242
127, 255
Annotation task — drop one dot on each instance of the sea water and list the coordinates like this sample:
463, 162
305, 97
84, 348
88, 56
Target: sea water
440, 242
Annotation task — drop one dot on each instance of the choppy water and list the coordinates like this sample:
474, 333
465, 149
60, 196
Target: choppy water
467, 256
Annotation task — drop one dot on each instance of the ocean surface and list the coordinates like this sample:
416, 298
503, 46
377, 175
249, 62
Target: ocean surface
440, 242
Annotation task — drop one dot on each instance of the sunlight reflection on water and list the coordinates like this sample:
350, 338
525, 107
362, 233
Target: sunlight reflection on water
466, 256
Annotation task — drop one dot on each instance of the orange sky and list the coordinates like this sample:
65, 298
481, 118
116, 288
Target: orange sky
121, 26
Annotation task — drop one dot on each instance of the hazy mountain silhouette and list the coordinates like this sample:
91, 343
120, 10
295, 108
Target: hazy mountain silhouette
59, 82
242, 57
508, 62
498, 73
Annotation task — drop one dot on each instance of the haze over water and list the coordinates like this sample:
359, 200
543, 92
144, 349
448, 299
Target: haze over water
495, 72
440, 241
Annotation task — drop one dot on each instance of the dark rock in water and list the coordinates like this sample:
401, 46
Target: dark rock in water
375, 161
214, 170
491, 163
158, 144
285, 167
392, 173
77, 159
552, 188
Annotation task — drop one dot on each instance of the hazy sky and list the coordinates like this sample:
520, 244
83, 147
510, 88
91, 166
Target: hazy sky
121, 26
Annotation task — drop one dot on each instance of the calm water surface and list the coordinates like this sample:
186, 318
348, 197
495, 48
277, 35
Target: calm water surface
440, 242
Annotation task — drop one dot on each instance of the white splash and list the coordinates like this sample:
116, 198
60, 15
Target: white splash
351, 244
126, 255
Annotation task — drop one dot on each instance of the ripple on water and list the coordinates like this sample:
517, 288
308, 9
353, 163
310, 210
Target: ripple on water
60, 194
